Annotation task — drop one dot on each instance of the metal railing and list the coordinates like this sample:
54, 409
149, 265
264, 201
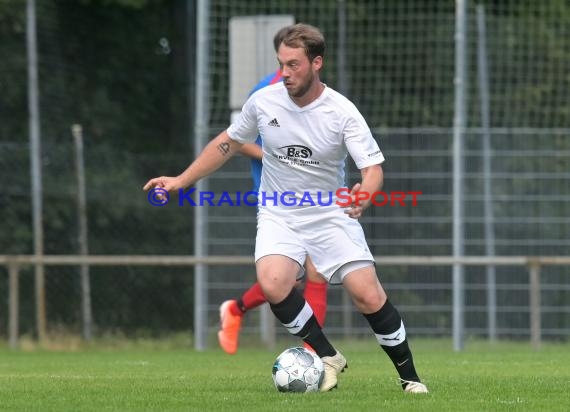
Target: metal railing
533, 263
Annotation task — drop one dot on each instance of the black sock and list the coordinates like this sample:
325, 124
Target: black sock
297, 316
391, 334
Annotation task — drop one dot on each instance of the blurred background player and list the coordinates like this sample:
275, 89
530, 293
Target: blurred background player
315, 292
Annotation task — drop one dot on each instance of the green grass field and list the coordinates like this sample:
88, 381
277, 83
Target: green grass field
485, 377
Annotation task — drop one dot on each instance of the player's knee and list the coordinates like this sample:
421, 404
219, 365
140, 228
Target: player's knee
369, 301
275, 287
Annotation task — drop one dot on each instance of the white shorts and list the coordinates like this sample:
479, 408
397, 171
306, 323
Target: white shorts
331, 238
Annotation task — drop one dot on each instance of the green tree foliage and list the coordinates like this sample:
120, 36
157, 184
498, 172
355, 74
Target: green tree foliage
120, 68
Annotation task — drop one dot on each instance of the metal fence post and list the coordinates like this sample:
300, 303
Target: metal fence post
13, 305
459, 117
200, 138
268, 332
36, 165
82, 238
534, 297
483, 71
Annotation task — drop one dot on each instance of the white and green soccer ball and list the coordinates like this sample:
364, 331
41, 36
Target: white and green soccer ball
298, 370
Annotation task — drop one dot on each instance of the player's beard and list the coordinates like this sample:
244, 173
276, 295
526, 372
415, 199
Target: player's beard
303, 87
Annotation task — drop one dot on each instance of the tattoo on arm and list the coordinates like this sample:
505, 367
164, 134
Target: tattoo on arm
224, 148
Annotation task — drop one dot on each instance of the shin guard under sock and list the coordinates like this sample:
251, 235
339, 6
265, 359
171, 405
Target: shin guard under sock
391, 335
297, 316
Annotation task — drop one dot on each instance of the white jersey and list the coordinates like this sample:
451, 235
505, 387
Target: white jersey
304, 148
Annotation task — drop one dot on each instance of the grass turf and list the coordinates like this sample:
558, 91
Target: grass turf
484, 377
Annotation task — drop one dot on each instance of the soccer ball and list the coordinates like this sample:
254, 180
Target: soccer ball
298, 370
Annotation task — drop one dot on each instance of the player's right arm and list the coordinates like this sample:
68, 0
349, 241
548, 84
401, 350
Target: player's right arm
242, 131
214, 155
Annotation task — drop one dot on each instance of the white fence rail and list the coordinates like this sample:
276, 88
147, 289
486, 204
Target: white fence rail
533, 263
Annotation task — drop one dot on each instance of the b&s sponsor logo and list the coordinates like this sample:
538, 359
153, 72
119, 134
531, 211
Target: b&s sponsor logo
295, 155
297, 151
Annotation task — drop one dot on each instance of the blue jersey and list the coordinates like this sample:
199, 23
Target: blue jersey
256, 165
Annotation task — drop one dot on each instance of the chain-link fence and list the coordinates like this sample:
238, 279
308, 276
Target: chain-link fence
131, 86
399, 70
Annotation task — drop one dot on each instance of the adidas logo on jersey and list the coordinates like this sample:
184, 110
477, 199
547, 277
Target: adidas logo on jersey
274, 123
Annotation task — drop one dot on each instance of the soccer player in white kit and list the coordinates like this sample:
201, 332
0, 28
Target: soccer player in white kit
307, 130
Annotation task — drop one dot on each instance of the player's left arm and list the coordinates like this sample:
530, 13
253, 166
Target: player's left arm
361, 193
368, 158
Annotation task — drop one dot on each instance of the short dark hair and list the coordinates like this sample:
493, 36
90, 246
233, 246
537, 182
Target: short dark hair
304, 36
